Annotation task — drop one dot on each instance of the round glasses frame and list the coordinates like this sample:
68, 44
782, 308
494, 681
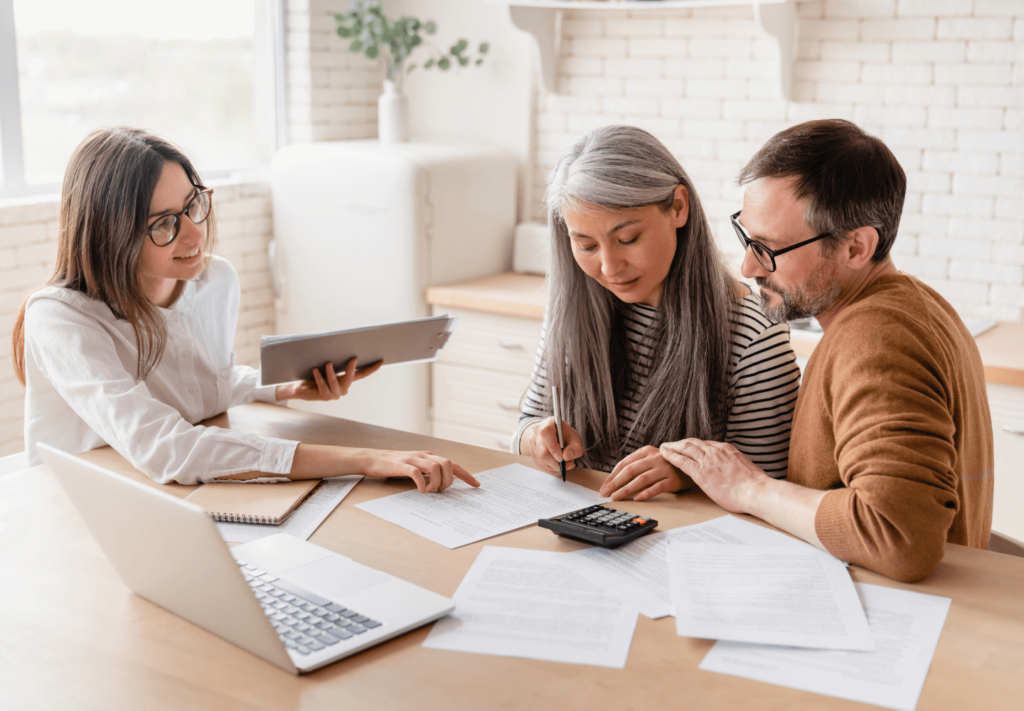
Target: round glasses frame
202, 201
764, 256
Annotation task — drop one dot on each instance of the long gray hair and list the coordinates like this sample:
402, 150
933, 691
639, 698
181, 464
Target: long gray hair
585, 352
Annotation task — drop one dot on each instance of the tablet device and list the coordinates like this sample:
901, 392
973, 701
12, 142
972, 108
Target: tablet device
284, 359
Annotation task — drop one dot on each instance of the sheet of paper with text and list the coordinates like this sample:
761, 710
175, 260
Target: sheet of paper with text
906, 626
797, 596
509, 497
535, 605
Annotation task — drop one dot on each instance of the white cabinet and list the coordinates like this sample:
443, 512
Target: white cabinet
478, 382
1007, 404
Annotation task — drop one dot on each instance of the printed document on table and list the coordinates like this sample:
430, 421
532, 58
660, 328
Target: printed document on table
906, 626
302, 521
638, 570
509, 497
535, 605
786, 595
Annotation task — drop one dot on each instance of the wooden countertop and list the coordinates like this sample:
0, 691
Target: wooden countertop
508, 294
523, 295
76, 637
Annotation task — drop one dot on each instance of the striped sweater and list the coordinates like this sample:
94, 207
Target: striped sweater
763, 382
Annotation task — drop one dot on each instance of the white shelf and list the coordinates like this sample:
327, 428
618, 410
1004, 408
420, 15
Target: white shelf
543, 20
635, 4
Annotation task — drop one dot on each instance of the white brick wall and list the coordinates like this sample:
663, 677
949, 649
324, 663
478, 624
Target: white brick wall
941, 81
28, 244
331, 92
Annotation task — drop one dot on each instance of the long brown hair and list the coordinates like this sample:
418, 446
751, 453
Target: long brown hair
622, 167
104, 215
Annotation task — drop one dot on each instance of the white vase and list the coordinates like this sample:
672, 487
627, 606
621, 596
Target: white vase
391, 115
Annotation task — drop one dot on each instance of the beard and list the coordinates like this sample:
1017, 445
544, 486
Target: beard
807, 300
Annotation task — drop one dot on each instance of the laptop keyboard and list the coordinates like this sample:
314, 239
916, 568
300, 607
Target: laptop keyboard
305, 621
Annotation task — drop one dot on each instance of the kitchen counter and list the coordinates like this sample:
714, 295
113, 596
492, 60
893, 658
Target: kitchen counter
523, 295
508, 294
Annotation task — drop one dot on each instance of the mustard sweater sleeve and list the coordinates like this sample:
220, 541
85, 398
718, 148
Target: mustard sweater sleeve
890, 410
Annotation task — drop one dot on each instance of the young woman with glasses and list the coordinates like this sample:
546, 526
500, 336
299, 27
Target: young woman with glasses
647, 335
130, 342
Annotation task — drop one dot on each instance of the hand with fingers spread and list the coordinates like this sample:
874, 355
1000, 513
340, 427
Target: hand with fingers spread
643, 475
540, 441
328, 386
722, 472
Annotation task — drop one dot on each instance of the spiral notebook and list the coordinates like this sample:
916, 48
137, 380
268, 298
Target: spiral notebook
252, 503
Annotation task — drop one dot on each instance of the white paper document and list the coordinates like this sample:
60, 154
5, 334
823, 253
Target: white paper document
535, 605
906, 626
509, 497
798, 596
302, 521
638, 571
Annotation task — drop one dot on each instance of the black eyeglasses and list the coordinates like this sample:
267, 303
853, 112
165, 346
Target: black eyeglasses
764, 256
164, 230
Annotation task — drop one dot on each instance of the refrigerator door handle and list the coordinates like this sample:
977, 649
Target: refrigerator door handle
272, 258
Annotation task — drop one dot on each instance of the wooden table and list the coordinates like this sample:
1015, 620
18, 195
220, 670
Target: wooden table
74, 637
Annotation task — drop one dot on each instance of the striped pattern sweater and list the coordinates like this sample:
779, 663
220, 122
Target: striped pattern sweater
763, 383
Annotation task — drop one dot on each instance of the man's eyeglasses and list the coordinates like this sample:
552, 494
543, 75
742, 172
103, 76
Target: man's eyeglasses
764, 256
164, 230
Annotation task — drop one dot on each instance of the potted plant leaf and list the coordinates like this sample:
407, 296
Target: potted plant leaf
391, 43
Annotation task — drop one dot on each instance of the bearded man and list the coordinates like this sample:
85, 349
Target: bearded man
892, 451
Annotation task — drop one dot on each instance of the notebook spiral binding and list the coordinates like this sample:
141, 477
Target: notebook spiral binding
243, 518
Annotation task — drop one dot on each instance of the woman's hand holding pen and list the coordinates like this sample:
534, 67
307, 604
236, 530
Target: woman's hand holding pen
540, 441
328, 386
643, 475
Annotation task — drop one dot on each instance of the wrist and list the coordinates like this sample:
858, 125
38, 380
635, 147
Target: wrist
526, 438
758, 495
285, 391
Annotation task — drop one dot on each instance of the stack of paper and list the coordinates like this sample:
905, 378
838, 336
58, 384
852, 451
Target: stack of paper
639, 571
303, 521
724, 579
790, 615
906, 626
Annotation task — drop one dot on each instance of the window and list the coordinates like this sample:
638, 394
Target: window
200, 73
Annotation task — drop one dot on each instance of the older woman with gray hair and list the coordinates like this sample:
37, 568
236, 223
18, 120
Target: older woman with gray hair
648, 336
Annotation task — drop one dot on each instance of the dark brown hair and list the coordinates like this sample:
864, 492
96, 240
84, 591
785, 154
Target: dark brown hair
104, 214
849, 178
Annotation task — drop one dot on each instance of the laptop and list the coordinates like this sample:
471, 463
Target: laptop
289, 602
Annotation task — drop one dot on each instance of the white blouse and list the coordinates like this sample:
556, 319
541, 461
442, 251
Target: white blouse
82, 391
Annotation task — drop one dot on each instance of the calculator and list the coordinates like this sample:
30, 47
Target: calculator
600, 525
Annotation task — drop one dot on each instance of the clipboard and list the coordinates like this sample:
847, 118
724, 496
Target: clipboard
285, 359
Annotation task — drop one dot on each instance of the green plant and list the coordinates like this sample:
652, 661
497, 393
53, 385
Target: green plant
392, 41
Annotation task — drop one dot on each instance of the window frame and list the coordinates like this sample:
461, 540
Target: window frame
272, 28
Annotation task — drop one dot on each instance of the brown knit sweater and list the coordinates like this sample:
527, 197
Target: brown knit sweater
893, 416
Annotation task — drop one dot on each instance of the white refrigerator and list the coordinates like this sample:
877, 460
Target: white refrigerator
361, 230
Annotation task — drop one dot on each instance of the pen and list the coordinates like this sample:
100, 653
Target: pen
558, 428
